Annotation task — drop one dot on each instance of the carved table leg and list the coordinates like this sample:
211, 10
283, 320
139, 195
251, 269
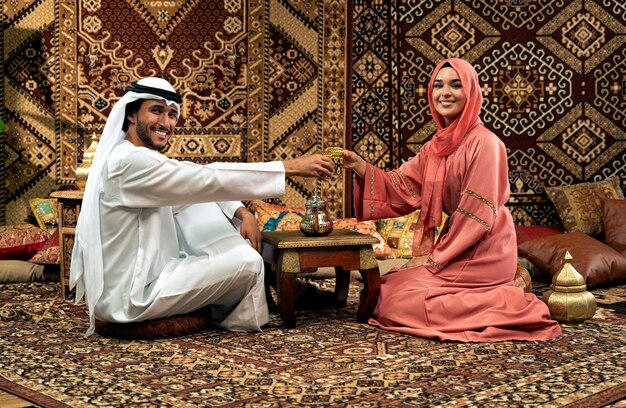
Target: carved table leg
342, 284
285, 286
369, 294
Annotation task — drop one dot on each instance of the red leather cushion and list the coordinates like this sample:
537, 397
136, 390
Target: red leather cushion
526, 233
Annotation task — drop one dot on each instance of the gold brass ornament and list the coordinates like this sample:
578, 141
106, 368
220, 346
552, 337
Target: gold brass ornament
83, 170
569, 301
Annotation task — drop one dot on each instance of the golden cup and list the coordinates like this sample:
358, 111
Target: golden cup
336, 155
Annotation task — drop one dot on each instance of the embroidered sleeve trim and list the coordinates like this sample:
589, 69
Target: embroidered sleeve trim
371, 211
408, 184
481, 198
392, 174
475, 218
434, 263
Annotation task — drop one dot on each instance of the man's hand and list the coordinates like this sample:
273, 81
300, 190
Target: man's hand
249, 228
354, 162
314, 165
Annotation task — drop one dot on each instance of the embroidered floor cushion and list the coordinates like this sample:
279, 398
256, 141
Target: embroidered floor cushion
163, 328
20, 242
49, 253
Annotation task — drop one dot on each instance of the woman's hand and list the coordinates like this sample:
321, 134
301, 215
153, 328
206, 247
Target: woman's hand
354, 162
249, 228
413, 263
314, 165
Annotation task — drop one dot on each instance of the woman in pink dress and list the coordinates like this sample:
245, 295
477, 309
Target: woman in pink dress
465, 290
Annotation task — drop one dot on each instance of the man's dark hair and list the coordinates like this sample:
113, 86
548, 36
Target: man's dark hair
132, 107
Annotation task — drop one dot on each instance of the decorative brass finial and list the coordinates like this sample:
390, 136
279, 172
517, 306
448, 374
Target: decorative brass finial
568, 299
83, 170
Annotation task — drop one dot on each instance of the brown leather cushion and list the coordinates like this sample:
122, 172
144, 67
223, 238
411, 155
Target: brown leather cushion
598, 263
522, 279
614, 218
167, 327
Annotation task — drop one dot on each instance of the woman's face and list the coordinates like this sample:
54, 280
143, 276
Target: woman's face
448, 95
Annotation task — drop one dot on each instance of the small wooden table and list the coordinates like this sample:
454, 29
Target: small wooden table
291, 253
69, 202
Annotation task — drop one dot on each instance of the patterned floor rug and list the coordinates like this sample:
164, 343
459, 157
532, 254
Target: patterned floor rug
328, 359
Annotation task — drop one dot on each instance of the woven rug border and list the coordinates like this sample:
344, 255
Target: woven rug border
30, 395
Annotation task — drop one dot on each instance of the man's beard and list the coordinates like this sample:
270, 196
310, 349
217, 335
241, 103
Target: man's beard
144, 134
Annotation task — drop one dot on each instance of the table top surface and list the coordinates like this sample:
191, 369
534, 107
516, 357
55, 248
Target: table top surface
296, 239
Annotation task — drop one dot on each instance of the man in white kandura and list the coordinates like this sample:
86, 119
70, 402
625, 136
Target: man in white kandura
156, 236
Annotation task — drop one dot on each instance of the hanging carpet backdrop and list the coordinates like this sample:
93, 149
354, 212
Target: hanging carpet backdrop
553, 74
275, 79
261, 80
326, 360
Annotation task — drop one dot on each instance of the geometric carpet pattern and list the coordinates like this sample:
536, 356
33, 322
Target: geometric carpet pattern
260, 80
328, 359
28, 147
553, 76
275, 79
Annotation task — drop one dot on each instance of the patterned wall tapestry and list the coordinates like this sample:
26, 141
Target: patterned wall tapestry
261, 80
267, 80
553, 74
28, 146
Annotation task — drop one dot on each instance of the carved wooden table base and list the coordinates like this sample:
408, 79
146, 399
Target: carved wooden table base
291, 253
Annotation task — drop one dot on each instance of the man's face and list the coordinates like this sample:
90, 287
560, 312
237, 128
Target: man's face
153, 124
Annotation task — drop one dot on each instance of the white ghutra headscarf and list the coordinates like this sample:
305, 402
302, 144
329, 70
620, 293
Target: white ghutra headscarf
86, 272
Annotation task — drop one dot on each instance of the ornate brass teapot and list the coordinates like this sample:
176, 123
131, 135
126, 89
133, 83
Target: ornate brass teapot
316, 222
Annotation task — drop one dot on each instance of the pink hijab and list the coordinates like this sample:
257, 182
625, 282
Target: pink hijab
444, 143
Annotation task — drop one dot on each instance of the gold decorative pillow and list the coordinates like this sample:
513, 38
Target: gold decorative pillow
45, 211
580, 205
398, 233
274, 217
382, 250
